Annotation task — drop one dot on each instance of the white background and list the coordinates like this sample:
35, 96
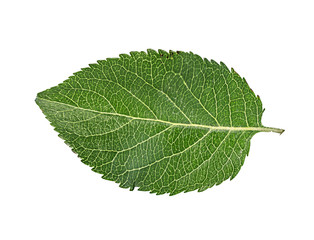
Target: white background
47, 193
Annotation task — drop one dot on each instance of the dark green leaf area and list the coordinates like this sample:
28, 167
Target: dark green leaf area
162, 122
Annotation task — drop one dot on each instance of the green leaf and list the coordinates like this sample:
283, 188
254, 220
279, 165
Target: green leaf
163, 122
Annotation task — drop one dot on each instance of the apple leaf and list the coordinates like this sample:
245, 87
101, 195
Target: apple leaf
165, 122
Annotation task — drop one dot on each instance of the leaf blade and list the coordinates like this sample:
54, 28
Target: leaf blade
152, 120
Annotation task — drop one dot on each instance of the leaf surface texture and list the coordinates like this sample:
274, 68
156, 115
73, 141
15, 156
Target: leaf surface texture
165, 122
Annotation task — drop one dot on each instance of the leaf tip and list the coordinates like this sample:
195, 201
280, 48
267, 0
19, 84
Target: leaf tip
37, 99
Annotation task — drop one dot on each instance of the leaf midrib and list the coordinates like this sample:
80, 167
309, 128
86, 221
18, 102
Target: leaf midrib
190, 125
